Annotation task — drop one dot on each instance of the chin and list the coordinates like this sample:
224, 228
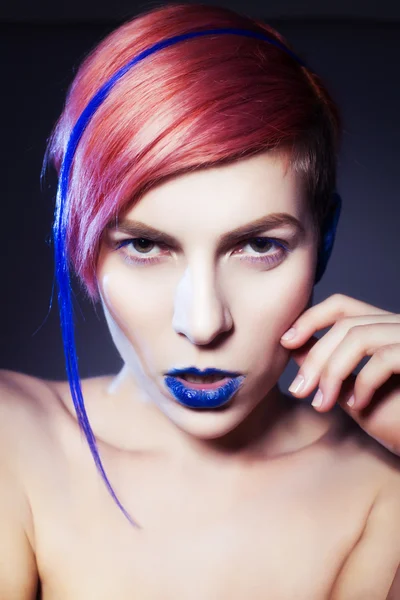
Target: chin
207, 424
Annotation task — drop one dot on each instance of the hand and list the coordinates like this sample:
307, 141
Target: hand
359, 330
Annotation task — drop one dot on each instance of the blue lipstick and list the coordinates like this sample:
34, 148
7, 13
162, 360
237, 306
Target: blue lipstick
203, 395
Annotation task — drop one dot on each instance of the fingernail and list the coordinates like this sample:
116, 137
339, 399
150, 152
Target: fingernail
351, 401
289, 334
297, 384
317, 399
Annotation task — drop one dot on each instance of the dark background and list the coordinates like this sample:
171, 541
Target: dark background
356, 50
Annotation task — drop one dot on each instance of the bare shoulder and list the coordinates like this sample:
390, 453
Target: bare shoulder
19, 385
371, 452
370, 473
372, 568
20, 416
26, 406
33, 429
32, 416
346, 437
30, 439
20, 405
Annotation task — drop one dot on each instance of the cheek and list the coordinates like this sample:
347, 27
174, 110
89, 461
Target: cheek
133, 302
266, 306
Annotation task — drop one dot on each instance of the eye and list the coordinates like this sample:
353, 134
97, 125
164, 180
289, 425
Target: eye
140, 245
137, 250
270, 258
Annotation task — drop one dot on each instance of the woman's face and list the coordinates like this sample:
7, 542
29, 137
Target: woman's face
201, 299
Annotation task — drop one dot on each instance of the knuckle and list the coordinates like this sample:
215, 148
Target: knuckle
337, 296
383, 352
343, 323
338, 301
312, 362
355, 332
363, 380
330, 372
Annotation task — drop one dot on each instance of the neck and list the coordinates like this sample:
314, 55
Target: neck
265, 433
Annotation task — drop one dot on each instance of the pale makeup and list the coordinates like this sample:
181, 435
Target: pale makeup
199, 302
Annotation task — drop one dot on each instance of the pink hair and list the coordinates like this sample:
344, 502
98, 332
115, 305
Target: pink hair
202, 102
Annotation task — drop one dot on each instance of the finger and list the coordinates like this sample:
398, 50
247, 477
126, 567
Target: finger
381, 418
321, 351
384, 363
300, 355
360, 341
326, 313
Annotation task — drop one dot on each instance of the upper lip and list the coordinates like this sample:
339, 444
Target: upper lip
196, 371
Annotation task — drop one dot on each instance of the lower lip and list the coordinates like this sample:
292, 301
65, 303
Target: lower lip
203, 395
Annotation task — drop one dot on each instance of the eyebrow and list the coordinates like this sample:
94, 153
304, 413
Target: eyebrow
271, 221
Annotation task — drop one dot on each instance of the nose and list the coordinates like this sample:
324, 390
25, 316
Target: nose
200, 311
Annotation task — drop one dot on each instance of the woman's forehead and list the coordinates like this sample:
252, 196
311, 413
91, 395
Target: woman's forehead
244, 190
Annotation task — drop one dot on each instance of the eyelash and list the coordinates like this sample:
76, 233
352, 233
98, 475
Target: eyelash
268, 259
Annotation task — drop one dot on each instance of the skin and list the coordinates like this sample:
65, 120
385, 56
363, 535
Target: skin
267, 495
357, 330
218, 309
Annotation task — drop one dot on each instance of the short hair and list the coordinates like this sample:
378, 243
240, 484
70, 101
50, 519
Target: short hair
197, 104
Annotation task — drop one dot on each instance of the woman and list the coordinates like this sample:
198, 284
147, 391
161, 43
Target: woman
197, 205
